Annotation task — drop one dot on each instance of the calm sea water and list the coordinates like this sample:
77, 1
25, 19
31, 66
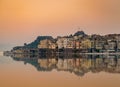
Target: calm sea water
59, 72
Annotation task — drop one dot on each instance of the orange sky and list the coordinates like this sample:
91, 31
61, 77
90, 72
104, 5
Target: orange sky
23, 20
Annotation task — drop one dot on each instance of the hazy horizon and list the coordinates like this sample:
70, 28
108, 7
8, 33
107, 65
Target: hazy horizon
21, 21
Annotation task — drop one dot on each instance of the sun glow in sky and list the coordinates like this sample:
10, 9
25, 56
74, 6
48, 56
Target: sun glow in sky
23, 20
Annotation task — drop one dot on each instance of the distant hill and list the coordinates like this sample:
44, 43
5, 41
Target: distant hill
78, 33
35, 43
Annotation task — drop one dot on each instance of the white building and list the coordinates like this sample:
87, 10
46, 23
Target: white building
64, 42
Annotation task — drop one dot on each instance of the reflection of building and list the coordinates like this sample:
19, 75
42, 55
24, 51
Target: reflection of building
79, 66
43, 63
47, 63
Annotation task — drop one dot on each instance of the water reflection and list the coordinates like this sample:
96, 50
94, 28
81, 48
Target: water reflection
77, 64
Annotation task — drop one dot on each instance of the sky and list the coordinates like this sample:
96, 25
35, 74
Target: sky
23, 20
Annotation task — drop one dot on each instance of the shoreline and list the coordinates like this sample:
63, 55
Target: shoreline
60, 53
116, 53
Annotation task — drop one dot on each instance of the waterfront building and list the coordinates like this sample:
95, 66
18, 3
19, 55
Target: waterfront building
99, 44
77, 44
86, 44
65, 42
112, 45
60, 42
47, 44
118, 45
